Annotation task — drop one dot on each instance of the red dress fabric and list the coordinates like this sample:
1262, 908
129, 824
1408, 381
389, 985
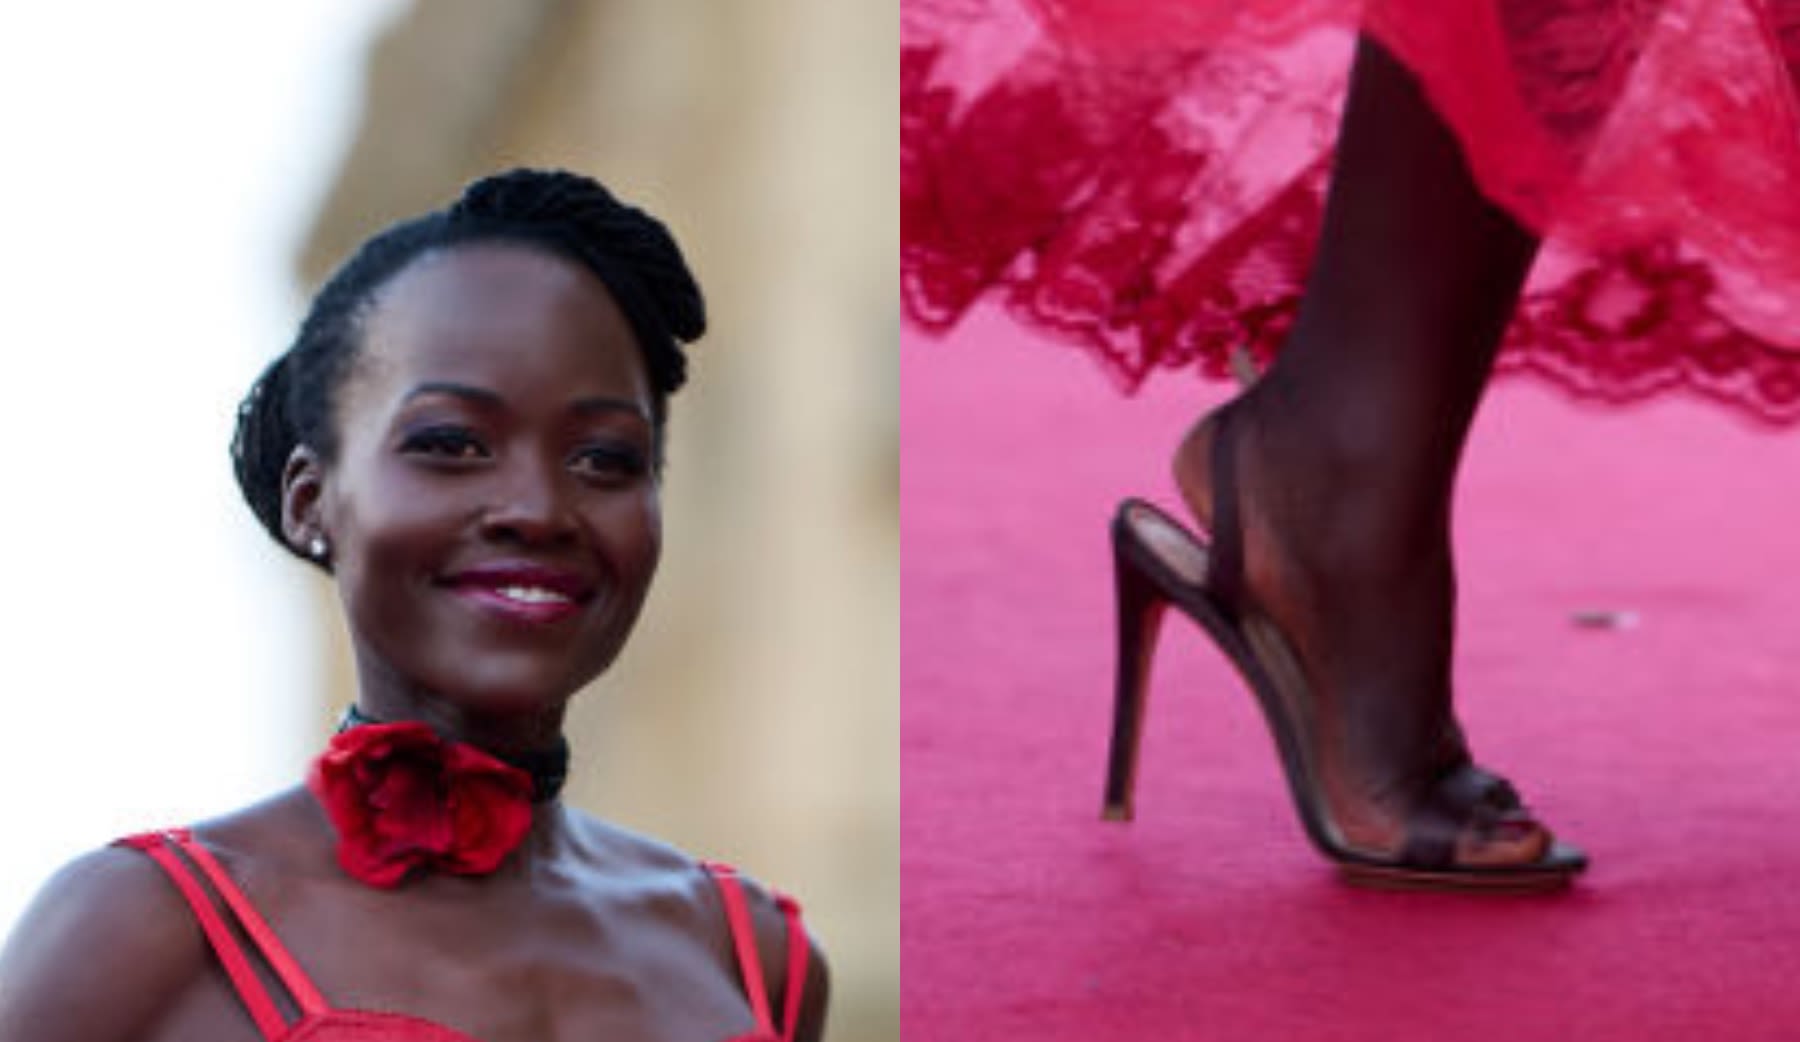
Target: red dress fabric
1145, 177
177, 854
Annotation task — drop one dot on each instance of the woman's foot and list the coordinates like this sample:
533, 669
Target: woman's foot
1354, 568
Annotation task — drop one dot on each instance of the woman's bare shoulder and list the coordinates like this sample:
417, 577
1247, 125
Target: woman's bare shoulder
681, 878
636, 874
776, 919
99, 955
109, 945
286, 830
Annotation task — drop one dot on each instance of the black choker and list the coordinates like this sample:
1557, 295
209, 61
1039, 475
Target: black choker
549, 768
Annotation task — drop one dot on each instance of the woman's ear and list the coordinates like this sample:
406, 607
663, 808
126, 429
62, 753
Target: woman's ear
303, 505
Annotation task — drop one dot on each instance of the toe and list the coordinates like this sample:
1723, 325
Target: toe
1515, 838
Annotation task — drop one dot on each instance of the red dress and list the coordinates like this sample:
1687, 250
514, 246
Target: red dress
1145, 177
319, 1022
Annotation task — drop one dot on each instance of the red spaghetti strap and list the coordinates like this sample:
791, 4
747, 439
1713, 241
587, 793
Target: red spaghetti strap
798, 951
243, 977
743, 937
257, 927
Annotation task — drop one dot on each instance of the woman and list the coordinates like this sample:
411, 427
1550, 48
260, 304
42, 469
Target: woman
467, 436
1150, 180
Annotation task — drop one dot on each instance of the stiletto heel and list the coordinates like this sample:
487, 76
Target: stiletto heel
1140, 608
1158, 563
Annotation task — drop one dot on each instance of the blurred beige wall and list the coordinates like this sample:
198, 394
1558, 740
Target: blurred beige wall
755, 716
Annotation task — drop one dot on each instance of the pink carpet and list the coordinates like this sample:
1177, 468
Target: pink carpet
1667, 750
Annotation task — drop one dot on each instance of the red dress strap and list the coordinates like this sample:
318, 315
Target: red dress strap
162, 847
743, 938
799, 950
298, 984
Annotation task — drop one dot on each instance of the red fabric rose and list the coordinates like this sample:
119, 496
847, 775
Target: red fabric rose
403, 799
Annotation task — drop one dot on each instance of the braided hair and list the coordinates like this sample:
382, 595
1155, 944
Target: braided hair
572, 217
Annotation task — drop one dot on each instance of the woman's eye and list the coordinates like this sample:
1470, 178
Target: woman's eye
608, 461
444, 443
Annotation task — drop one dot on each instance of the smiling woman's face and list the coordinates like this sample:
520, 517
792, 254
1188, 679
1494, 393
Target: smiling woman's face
492, 512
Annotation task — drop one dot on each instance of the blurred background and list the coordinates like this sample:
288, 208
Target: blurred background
182, 174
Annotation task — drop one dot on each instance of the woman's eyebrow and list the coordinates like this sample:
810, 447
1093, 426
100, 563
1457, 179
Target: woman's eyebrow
489, 399
478, 395
592, 406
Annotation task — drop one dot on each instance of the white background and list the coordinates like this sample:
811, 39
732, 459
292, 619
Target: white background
161, 161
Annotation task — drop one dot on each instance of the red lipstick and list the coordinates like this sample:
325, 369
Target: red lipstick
523, 591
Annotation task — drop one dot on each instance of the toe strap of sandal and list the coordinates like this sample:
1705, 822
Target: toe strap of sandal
1465, 797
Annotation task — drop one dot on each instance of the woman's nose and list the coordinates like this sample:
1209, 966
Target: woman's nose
531, 506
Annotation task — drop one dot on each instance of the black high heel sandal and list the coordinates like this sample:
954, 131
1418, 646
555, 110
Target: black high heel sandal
1158, 563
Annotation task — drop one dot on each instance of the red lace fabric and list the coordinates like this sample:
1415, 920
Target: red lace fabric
1145, 177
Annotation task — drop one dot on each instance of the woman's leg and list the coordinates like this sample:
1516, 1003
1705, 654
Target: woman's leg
1348, 449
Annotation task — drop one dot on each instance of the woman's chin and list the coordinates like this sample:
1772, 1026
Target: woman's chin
490, 689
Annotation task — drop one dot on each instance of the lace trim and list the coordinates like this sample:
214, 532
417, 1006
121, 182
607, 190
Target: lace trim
1161, 212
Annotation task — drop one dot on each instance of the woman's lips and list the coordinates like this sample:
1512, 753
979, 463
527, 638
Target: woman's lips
510, 603
523, 592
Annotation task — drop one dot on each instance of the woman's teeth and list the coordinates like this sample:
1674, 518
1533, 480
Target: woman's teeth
532, 595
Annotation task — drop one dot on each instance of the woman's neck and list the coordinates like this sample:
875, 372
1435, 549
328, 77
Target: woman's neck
527, 824
503, 727
547, 762
503, 734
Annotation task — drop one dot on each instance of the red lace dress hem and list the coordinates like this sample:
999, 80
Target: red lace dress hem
1145, 178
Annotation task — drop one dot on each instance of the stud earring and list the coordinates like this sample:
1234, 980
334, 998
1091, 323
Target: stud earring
317, 548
